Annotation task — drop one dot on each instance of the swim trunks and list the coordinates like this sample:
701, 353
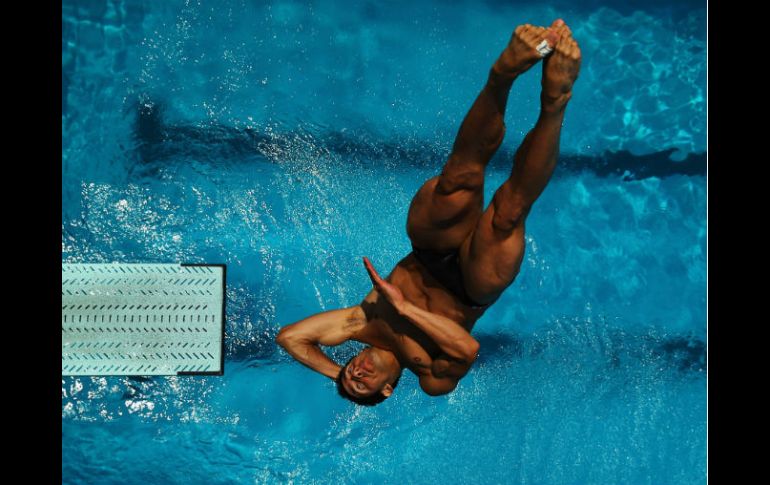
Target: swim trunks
445, 267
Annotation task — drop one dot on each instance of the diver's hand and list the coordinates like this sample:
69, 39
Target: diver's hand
391, 292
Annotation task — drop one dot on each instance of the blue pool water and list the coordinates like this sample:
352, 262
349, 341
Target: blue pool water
287, 138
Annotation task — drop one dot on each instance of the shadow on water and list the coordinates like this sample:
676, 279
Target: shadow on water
496, 346
635, 167
149, 124
679, 353
159, 143
262, 349
687, 355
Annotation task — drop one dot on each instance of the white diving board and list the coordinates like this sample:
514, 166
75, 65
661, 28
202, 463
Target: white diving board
142, 319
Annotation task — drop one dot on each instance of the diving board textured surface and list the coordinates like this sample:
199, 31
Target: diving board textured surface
142, 319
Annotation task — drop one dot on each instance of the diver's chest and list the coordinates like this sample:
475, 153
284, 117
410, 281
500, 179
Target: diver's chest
417, 355
412, 346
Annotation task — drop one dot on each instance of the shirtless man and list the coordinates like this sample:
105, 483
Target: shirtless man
420, 317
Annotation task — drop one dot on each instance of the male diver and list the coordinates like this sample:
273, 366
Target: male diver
420, 316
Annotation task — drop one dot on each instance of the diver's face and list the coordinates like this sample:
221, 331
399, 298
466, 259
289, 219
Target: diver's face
366, 374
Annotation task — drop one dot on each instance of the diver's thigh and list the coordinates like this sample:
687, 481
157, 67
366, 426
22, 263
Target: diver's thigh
490, 259
440, 221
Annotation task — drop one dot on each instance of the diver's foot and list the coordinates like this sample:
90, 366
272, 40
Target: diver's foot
560, 70
521, 52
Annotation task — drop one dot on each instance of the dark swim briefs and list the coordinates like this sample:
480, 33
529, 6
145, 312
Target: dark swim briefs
445, 267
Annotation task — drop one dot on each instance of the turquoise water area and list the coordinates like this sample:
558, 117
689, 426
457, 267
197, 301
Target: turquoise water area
286, 139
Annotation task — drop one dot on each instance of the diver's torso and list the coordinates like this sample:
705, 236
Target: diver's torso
387, 329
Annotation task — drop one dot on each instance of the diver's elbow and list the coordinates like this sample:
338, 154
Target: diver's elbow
467, 352
472, 351
284, 337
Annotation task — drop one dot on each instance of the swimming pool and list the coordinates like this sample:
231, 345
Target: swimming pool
286, 140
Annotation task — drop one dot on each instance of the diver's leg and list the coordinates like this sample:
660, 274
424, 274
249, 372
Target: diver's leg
446, 208
491, 256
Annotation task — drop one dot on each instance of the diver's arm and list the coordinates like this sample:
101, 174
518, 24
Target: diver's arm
302, 339
449, 335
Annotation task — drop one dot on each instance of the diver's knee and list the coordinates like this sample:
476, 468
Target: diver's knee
452, 181
509, 212
506, 223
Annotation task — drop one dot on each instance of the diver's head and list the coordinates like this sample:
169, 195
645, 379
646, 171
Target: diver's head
369, 377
